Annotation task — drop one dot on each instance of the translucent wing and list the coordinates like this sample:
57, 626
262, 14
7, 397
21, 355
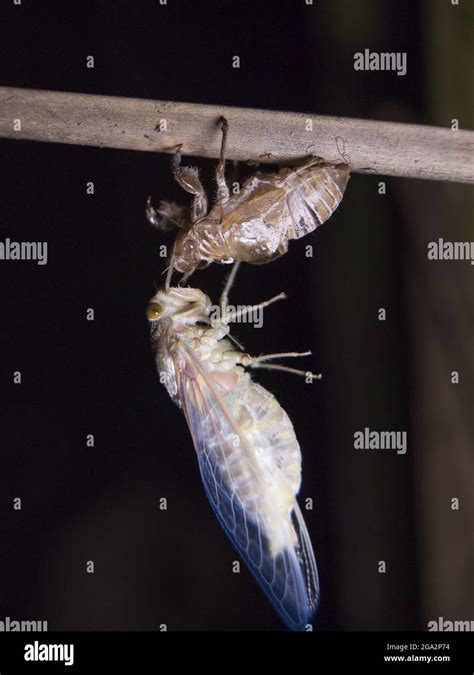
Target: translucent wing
288, 577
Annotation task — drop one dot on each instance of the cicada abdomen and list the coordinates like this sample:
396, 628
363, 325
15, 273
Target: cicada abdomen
313, 193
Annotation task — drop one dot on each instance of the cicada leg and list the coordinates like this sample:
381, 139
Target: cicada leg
253, 308
260, 362
188, 178
244, 310
228, 285
169, 271
222, 195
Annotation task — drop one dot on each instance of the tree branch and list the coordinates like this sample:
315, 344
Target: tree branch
261, 135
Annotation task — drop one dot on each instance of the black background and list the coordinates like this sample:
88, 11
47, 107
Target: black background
79, 377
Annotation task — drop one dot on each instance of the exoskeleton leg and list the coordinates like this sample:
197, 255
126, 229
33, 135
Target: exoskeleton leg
222, 195
188, 178
169, 271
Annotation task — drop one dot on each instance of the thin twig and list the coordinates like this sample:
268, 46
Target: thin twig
386, 148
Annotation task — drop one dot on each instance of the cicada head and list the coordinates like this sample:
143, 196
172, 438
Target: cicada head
178, 305
186, 252
172, 314
203, 243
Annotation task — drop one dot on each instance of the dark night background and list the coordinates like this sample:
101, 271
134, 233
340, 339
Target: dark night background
97, 377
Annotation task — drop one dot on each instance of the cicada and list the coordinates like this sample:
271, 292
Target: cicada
247, 451
256, 224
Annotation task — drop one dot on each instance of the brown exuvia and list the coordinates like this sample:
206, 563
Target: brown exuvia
254, 225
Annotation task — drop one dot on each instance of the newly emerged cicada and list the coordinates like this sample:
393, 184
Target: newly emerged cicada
256, 224
247, 451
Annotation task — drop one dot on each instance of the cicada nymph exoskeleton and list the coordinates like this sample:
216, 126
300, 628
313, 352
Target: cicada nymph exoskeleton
256, 224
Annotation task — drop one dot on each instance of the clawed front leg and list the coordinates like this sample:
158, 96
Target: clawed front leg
168, 215
222, 195
188, 178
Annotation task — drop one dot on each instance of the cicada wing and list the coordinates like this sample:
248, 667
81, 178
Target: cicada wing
289, 578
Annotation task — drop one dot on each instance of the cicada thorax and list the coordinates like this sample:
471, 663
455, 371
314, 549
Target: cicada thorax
253, 228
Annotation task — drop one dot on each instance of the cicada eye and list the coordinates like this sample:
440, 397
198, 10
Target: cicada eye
154, 311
